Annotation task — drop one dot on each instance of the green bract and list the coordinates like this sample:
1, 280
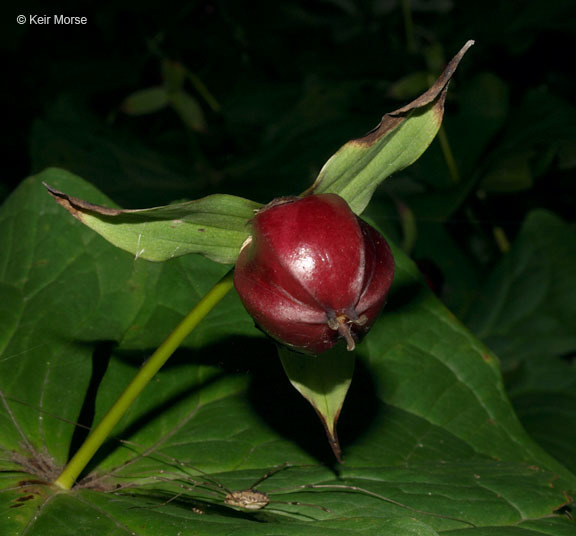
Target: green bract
216, 226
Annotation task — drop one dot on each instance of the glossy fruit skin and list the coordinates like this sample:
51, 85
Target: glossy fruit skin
312, 272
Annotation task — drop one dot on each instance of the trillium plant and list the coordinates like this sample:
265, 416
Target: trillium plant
313, 275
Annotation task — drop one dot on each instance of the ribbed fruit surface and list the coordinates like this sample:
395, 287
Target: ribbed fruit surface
312, 272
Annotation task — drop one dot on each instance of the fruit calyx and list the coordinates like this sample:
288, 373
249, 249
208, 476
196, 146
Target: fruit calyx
342, 324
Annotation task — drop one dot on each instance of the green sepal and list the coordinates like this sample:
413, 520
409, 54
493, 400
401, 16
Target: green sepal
358, 167
214, 226
323, 380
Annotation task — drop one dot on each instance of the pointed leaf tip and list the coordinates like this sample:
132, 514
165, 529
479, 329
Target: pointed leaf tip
76, 206
358, 167
214, 226
323, 380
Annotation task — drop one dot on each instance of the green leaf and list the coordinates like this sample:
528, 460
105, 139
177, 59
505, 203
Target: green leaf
173, 75
63, 286
543, 392
528, 305
214, 226
188, 110
484, 102
133, 173
527, 314
145, 101
357, 168
512, 174
427, 423
323, 380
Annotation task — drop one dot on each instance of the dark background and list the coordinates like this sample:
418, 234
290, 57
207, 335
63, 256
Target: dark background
273, 89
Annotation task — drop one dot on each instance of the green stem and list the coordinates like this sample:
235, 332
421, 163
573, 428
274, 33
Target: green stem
447, 149
204, 91
448, 155
501, 239
146, 373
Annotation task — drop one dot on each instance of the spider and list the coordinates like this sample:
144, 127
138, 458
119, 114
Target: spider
252, 499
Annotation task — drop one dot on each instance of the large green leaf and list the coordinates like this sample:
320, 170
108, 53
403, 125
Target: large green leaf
427, 423
356, 170
527, 314
215, 226
528, 307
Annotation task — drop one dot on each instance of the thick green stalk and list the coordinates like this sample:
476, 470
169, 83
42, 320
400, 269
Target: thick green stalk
146, 373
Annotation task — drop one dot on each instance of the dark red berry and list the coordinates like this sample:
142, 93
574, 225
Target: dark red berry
313, 272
